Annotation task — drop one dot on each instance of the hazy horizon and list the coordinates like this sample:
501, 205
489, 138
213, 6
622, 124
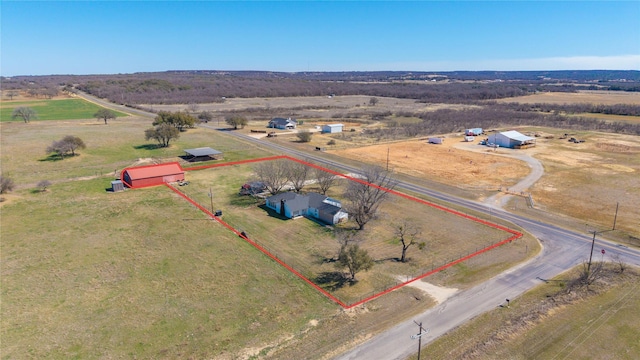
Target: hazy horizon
93, 38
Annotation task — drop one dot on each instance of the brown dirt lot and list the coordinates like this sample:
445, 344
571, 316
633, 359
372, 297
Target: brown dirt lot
444, 163
587, 96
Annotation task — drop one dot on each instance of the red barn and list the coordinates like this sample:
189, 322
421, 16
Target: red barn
151, 175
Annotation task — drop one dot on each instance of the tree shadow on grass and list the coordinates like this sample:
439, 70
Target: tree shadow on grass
147, 147
56, 157
332, 280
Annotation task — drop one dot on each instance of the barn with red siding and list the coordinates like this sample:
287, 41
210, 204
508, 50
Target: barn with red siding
152, 175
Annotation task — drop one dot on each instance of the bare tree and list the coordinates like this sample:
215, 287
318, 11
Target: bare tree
193, 107
43, 185
366, 194
354, 259
104, 114
408, 233
622, 266
273, 174
68, 145
588, 275
6, 185
25, 113
324, 179
297, 174
205, 116
12, 93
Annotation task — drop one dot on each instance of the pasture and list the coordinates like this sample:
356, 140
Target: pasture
54, 109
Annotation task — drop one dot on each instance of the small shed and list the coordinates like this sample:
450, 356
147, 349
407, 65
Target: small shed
202, 154
469, 138
435, 140
152, 175
117, 185
332, 128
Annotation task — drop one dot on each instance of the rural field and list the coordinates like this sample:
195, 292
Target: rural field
91, 274
88, 273
311, 248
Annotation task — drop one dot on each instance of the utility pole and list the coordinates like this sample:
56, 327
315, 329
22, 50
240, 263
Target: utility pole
593, 242
211, 198
418, 336
387, 158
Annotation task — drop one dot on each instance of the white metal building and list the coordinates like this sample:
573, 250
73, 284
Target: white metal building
332, 128
511, 139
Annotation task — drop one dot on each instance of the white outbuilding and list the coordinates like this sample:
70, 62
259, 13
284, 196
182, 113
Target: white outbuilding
511, 139
332, 128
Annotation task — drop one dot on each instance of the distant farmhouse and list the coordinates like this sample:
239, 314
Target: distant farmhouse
313, 205
282, 123
511, 139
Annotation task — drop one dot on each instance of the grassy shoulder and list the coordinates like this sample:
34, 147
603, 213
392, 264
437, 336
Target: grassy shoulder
54, 109
560, 319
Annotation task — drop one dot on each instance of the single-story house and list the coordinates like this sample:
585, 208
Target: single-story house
510, 139
282, 123
203, 154
313, 205
332, 128
473, 132
152, 175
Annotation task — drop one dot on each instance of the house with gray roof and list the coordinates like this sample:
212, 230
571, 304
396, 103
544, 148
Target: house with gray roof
282, 123
312, 205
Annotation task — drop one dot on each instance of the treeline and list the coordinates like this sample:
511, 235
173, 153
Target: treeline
215, 89
445, 121
184, 87
615, 109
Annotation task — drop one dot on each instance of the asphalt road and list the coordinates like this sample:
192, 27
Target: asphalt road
562, 250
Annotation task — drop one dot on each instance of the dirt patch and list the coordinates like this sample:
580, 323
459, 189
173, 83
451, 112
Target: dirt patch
438, 293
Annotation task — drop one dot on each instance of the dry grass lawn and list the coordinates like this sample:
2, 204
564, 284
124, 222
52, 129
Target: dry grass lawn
583, 96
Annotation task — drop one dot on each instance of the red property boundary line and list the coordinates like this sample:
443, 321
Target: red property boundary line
515, 234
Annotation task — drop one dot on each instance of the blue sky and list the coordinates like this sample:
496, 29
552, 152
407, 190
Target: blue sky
91, 37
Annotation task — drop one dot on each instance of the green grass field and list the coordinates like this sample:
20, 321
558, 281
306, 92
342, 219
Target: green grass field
56, 109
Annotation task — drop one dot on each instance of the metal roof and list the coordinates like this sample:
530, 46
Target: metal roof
516, 136
149, 171
202, 151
